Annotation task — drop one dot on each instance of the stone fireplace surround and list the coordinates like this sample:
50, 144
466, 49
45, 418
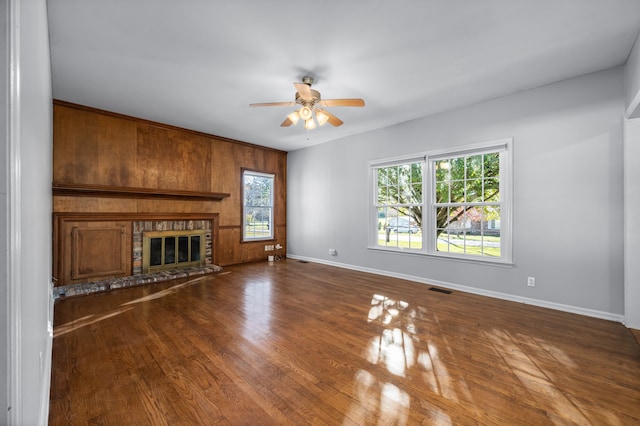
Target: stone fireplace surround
142, 223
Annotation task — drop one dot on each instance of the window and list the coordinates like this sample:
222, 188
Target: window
464, 212
257, 209
398, 203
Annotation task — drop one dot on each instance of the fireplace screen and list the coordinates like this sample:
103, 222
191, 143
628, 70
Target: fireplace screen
172, 249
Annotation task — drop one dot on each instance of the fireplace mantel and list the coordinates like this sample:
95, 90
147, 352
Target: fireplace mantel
90, 190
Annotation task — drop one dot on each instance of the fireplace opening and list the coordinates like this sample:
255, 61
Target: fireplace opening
163, 250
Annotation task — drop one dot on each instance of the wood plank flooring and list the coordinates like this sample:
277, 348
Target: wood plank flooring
303, 343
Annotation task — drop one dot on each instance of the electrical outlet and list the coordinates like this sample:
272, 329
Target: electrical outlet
531, 281
333, 252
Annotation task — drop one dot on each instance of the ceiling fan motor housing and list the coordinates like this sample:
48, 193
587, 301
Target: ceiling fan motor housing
315, 98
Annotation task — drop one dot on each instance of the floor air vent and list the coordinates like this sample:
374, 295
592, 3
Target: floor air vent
302, 261
440, 290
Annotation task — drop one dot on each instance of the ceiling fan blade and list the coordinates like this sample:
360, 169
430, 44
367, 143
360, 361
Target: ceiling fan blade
304, 90
286, 122
333, 120
342, 102
272, 104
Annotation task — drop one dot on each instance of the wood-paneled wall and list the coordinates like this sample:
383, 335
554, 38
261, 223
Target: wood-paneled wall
102, 148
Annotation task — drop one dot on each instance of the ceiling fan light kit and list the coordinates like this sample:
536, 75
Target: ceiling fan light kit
321, 116
310, 124
294, 117
308, 98
305, 113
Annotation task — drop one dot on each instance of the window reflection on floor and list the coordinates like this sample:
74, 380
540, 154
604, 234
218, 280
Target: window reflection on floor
381, 399
403, 353
257, 308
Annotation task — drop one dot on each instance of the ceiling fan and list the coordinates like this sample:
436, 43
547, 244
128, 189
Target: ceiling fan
311, 102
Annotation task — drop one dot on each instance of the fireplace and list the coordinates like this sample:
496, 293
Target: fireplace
107, 248
163, 250
171, 244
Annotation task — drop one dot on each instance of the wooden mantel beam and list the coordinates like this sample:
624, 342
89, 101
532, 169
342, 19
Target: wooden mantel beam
91, 190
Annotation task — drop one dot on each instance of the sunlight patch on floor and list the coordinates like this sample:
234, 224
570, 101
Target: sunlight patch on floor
529, 370
395, 349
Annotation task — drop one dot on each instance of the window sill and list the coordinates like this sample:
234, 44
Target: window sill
259, 240
410, 252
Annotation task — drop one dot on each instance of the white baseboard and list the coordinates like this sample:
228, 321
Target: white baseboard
473, 290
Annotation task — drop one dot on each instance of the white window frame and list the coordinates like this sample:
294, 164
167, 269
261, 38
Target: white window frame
503, 146
270, 236
373, 178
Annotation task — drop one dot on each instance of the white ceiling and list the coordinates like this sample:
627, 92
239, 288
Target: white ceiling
198, 64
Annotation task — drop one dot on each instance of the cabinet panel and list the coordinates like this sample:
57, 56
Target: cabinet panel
93, 250
98, 252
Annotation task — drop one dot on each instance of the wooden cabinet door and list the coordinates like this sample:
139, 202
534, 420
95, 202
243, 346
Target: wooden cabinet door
96, 250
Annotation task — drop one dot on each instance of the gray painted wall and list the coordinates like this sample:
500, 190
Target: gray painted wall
26, 213
568, 195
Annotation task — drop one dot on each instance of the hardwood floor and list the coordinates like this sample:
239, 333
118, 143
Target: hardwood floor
303, 343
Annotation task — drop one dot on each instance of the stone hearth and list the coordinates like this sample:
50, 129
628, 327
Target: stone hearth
142, 279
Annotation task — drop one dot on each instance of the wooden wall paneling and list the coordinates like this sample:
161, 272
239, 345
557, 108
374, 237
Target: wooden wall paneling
226, 175
147, 169
104, 148
281, 232
231, 209
281, 193
248, 157
250, 252
71, 144
229, 245
92, 148
256, 160
226, 166
169, 206
116, 152
93, 204
172, 160
195, 153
